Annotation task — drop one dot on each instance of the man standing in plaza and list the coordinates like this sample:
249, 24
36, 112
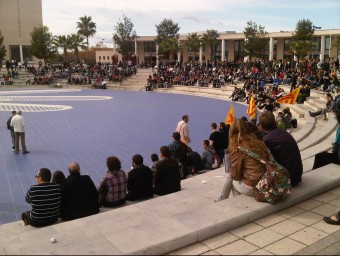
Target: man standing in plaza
182, 129
11, 129
18, 124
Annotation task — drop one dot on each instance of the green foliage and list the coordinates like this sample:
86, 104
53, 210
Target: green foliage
2, 48
193, 42
256, 43
86, 27
210, 38
124, 36
302, 39
167, 36
42, 43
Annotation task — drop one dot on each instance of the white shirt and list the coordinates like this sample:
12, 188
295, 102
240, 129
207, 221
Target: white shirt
182, 129
18, 123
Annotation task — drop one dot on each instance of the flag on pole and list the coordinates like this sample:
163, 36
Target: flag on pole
231, 115
289, 98
251, 111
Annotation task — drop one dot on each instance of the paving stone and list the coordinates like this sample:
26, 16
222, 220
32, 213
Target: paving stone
325, 209
287, 227
307, 218
239, 247
270, 220
261, 252
318, 246
210, 253
335, 191
335, 202
325, 227
291, 212
246, 230
325, 197
220, 240
334, 249
195, 249
285, 246
308, 235
263, 238
309, 204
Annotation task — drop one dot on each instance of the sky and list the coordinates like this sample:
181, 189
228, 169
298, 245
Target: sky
191, 15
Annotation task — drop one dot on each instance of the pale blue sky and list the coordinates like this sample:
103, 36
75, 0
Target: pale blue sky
191, 15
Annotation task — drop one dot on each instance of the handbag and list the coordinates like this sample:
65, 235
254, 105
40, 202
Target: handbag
274, 185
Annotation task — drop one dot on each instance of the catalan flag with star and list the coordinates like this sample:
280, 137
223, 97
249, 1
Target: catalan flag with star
231, 115
251, 111
289, 98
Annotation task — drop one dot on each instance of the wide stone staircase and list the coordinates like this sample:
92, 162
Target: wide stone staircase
164, 224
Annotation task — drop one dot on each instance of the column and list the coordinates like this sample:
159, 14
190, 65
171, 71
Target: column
157, 49
201, 53
246, 58
271, 48
21, 55
223, 50
322, 46
179, 53
136, 48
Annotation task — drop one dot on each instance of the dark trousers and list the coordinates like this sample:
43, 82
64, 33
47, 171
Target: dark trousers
21, 136
26, 217
324, 158
115, 203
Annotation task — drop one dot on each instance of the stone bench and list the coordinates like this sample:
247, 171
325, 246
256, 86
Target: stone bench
163, 224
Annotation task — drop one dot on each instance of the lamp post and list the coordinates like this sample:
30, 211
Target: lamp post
313, 29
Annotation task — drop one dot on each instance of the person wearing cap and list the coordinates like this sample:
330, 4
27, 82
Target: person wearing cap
45, 198
18, 124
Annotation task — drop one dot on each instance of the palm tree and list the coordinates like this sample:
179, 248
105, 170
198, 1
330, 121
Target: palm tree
86, 27
193, 42
76, 42
63, 42
210, 37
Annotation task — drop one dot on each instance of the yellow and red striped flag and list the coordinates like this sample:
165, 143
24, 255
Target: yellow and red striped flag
289, 98
231, 115
251, 111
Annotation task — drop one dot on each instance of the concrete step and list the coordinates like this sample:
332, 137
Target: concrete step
312, 106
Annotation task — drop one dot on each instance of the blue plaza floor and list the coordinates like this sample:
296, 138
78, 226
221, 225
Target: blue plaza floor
88, 126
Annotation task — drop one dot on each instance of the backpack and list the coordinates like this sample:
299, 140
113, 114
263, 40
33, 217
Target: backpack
274, 185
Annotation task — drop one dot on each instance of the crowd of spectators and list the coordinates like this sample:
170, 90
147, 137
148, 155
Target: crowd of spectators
261, 78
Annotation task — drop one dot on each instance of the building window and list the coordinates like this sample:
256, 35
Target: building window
238, 49
26, 53
150, 46
14, 51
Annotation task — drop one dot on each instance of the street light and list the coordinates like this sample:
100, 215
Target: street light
313, 29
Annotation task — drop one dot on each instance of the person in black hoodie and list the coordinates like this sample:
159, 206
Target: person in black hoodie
140, 180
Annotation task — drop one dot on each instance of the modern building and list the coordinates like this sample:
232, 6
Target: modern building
230, 47
17, 20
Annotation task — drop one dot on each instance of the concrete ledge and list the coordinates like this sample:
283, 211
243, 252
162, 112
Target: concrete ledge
160, 225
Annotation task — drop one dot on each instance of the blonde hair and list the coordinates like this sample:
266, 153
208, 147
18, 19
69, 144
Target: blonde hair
241, 135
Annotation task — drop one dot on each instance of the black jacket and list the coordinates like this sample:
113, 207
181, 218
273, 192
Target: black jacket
140, 183
79, 197
167, 177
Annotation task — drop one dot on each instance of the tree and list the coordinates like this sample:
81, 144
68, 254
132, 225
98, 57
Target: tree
302, 39
63, 42
42, 43
2, 49
76, 41
167, 37
193, 42
124, 36
256, 43
86, 27
210, 38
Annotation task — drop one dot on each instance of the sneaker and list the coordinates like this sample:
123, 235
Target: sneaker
25, 152
25, 219
13, 149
